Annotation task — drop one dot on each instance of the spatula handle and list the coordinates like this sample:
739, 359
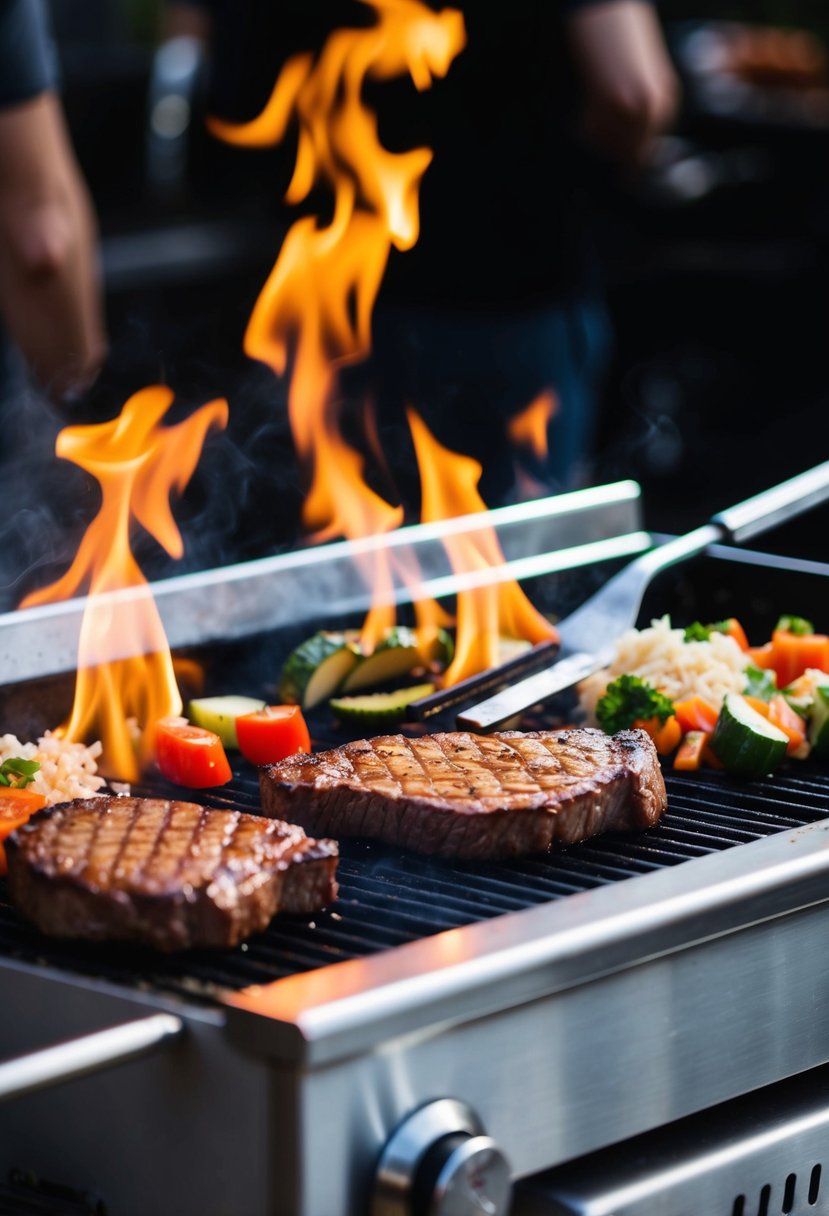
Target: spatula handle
775, 506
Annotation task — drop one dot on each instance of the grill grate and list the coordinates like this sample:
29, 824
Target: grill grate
389, 897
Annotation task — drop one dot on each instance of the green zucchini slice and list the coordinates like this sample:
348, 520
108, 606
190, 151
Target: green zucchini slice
746, 743
379, 708
317, 668
219, 714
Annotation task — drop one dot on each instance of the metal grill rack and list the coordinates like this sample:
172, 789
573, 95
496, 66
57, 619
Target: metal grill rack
388, 897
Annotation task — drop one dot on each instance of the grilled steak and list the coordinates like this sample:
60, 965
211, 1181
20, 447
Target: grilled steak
170, 874
477, 796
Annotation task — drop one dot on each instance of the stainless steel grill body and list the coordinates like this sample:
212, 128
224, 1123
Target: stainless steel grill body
572, 1002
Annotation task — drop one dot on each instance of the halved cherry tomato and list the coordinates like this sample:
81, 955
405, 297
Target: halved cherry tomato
189, 755
272, 733
17, 805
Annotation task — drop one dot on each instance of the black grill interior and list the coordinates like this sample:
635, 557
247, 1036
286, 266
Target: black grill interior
389, 897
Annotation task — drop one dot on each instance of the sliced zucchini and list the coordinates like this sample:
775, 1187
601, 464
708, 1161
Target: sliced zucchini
219, 714
379, 708
318, 668
396, 655
819, 722
746, 743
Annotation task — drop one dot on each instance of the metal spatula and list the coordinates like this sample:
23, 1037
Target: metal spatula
589, 634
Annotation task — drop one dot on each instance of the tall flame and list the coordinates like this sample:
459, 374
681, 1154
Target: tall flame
315, 309
138, 464
314, 313
449, 487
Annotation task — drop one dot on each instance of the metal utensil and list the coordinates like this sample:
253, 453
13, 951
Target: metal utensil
589, 634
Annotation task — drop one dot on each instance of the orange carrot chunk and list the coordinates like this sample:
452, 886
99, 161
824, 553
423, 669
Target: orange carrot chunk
735, 630
689, 756
792, 654
695, 713
669, 736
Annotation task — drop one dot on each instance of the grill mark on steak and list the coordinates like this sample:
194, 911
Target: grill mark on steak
475, 796
166, 873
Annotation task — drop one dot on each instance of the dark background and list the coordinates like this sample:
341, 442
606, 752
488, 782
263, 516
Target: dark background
715, 272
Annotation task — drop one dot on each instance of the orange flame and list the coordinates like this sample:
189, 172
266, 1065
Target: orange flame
313, 316
529, 428
449, 487
315, 309
138, 464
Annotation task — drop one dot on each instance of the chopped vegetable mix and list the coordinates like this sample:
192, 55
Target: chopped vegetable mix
783, 710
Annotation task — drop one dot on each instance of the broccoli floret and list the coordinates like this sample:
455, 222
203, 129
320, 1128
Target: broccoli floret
630, 699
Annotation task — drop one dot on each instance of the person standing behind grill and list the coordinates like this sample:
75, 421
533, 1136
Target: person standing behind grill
50, 301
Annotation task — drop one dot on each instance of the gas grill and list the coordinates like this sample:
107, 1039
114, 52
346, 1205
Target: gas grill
636, 1024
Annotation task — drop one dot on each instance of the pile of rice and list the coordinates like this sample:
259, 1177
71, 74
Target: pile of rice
67, 770
675, 667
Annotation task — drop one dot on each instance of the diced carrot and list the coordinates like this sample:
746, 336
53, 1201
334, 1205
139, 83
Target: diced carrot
788, 720
793, 653
762, 656
649, 725
689, 756
668, 737
761, 706
736, 631
696, 713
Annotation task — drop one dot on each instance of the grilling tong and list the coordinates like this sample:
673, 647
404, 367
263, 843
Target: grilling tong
588, 635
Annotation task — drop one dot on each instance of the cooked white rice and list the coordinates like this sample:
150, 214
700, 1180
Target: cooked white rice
67, 770
677, 668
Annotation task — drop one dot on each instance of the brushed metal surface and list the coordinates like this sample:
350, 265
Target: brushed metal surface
186, 1132
324, 581
565, 1075
87, 1054
766, 1152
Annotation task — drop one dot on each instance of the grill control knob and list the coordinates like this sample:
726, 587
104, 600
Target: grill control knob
439, 1162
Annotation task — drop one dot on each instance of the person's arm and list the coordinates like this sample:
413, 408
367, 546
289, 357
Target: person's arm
631, 91
49, 284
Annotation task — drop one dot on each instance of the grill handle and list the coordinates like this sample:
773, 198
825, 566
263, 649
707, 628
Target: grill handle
91, 1053
775, 506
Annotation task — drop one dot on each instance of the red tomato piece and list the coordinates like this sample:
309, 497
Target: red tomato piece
189, 755
272, 733
17, 805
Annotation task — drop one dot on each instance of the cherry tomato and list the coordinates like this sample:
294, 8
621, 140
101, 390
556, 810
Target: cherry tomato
17, 805
189, 755
272, 733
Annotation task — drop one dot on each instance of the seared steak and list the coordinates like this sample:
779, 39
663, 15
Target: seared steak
170, 874
465, 795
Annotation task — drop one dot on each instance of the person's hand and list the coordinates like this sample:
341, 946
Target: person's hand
631, 91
